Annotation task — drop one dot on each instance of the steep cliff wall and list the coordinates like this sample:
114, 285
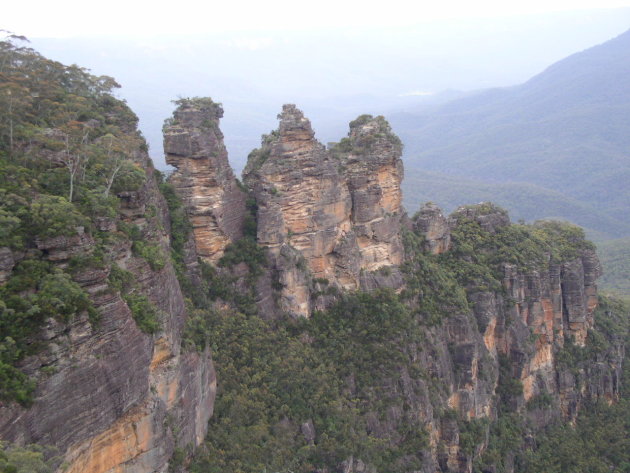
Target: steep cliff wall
337, 209
110, 397
93, 315
204, 180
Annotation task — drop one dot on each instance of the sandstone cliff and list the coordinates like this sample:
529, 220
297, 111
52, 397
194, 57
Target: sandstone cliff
109, 396
512, 348
339, 210
204, 180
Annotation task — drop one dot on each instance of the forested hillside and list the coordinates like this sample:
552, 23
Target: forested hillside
615, 256
563, 134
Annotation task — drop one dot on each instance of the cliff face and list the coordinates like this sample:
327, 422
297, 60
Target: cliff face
536, 311
204, 180
509, 353
332, 218
373, 170
110, 397
430, 223
337, 209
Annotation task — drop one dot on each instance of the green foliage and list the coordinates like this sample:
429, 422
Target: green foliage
130, 177
143, 311
180, 225
202, 103
471, 434
541, 401
478, 255
361, 120
53, 216
258, 156
505, 438
247, 251
120, 279
152, 253
509, 387
34, 292
59, 296
361, 143
330, 370
29, 459
432, 287
566, 240
95, 259
597, 444
65, 143
364, 332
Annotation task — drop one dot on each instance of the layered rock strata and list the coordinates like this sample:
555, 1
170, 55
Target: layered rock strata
110, 397
521, 329
193, 144
373, 170
336, 210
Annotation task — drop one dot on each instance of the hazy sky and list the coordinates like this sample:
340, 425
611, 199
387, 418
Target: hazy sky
63, 18
334, 58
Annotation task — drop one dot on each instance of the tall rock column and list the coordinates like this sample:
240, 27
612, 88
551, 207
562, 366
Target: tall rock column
303, 206
374, 171
329, 217
215, 204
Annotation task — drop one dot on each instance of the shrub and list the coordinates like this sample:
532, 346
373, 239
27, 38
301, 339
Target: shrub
153, 254
53, 216
143, 312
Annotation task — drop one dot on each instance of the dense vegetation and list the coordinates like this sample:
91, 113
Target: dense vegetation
284, 379
302, 395
29, 459
478, 254
68, 149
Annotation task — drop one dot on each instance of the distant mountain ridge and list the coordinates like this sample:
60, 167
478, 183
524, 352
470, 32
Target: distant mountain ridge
566, 129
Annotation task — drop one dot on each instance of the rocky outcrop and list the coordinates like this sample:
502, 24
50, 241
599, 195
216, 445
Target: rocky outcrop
489, 217
338, 210
215, 204
536, 312
110, 397
433, 225
373, 170
303, 209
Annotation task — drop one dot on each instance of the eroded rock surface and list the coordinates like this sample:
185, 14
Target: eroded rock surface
433, 225
338, 209
110, 397
215, 204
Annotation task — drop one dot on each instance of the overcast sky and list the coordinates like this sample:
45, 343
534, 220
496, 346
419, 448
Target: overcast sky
334, 58
63, 18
